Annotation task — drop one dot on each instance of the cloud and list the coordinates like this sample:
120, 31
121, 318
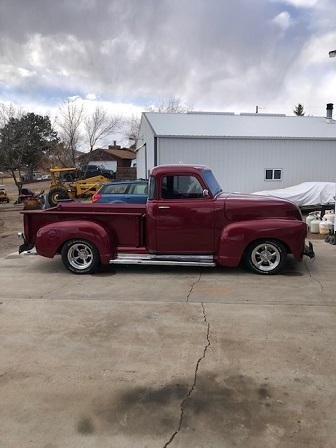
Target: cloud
283, 20
213, 55
301, 3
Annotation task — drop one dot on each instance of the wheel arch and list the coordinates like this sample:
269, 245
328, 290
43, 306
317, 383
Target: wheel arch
51, 238
236, 238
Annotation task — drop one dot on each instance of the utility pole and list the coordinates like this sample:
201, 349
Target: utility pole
257, 109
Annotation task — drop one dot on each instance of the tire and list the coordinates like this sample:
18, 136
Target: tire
80, 257
57, 194
265, 257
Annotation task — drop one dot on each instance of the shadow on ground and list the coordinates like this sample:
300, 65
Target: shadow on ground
223, 405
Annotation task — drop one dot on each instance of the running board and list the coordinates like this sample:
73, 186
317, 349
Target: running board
165, 260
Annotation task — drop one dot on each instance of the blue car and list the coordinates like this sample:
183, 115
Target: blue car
128, 191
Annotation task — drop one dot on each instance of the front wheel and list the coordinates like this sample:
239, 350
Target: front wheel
80, 257
266, 257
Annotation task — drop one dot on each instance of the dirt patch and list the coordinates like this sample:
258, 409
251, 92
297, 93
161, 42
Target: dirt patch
85, 426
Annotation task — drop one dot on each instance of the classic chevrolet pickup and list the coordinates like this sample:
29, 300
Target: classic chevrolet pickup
187, 221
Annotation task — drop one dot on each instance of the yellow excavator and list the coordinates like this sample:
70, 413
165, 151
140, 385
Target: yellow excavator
66, 183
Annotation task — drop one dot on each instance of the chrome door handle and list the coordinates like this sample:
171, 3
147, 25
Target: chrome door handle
163, 206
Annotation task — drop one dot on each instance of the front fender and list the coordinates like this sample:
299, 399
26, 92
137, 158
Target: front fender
50, 238
237, 236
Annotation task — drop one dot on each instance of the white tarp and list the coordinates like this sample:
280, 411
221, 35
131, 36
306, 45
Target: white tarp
307, 193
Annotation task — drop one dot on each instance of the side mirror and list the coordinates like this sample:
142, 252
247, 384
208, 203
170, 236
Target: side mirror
206, 193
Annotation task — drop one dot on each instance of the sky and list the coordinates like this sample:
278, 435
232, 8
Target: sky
127, 55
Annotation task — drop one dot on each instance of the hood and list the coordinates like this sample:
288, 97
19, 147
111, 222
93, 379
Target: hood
248, 206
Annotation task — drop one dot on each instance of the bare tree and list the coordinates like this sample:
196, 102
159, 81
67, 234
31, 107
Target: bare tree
172, 104
61, 156
8, 111
100, 125
132, 125
69, 123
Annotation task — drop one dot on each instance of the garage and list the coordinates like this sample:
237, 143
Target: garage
247, 152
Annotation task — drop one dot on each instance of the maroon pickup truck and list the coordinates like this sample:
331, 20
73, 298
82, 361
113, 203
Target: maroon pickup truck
187, 221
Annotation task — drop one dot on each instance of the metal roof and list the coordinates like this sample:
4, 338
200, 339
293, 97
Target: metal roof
222, 125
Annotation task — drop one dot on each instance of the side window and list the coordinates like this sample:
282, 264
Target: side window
151, 188
181, 187
115, 189
139, 189
273, 174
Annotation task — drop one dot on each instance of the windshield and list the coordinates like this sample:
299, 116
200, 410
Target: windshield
212, 182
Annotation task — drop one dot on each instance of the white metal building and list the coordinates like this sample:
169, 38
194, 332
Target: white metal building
247, 152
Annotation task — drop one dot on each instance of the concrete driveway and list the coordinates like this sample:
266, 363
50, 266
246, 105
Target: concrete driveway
162, 357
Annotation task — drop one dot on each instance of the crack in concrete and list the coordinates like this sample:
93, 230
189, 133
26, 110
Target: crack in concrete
314, 279
193, 386
193, 286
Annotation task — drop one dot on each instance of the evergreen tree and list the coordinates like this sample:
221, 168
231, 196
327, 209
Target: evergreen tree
298, 110
24, 142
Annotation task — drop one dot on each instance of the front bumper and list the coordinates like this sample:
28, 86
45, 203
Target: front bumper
309, 250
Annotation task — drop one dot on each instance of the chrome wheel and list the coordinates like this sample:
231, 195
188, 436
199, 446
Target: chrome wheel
80, 256
266, 257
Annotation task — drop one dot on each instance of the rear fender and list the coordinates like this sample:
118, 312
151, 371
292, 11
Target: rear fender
236, 237
50, 238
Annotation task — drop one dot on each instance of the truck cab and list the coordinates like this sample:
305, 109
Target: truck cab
187, 220
181, 210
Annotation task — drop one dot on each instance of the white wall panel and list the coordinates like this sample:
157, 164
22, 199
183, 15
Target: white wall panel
146, 136
239, 164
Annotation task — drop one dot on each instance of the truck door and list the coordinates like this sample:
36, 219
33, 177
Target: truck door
183, 217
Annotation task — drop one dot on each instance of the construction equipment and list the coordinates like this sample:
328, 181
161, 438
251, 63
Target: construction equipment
66, 183
3, 194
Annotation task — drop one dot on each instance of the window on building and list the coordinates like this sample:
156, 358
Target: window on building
181, 187
273, 174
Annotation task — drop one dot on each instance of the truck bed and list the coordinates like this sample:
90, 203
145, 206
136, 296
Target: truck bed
125, 221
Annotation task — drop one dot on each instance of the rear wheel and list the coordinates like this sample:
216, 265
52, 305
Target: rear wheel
80, 257
57, 194
266, 257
